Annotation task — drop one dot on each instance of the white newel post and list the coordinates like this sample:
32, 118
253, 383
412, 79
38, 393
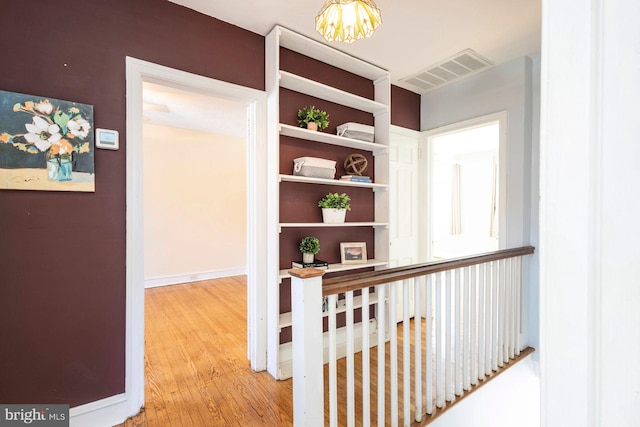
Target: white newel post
306, 316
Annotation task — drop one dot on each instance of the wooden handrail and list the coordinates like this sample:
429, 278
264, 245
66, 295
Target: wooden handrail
353, 282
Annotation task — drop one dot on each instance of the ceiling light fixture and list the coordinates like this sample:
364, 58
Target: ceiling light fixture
348, 20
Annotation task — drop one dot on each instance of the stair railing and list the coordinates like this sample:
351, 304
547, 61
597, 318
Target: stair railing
463, 325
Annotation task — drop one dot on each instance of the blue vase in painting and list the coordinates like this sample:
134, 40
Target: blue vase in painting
59, 168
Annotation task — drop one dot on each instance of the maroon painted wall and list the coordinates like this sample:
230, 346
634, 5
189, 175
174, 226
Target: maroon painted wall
405, 108
62, 255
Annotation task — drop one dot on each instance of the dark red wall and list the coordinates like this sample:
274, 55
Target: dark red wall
405, 108
62, 255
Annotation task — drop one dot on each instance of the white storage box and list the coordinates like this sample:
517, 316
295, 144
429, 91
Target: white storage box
356, 131
314, 167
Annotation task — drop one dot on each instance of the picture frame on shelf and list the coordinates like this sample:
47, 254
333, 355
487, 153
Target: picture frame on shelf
353, 252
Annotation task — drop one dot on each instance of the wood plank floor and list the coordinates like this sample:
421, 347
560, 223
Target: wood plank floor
196, 368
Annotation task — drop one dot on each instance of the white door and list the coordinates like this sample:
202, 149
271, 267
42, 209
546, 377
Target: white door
403, 202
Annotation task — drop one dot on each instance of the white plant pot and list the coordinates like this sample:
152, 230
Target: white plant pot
307, 258
333, 216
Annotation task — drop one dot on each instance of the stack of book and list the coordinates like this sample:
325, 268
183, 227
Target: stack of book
356, 178
322, 265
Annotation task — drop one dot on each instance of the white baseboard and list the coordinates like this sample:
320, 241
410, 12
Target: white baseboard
194, 277
285, 370
101, 413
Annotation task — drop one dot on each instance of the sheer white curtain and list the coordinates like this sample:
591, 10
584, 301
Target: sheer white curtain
456, 200
493, 218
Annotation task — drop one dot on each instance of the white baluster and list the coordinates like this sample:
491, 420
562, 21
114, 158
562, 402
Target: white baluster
474, 327
505, 308
351, 419
495, 327
393, 347
406, 351
518, 304
381, 291
448, 371
512, 308
482, 318
366, 375
417, 319
429, 344
488, 284
501, 312
440, 392
458, 337
332, 301
465, 328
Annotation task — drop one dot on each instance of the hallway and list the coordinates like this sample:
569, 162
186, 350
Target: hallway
196, 368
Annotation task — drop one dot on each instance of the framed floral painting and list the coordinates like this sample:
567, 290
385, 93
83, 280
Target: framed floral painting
45, 144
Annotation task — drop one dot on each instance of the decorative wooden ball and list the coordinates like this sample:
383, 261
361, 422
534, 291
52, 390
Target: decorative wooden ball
355, 164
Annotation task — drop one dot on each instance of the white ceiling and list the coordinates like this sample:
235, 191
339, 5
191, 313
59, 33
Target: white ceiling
177, 108
414, 34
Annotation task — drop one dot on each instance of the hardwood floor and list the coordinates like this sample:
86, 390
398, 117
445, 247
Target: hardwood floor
196, 368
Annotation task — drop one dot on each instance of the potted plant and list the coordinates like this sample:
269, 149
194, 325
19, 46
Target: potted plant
334, 207
313, 118
309, 246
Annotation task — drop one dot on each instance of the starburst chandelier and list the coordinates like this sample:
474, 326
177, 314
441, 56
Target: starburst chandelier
348, 20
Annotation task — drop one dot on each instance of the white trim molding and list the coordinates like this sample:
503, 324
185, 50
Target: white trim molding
154, 282
137, 72
589, 210
399, 130
101, 413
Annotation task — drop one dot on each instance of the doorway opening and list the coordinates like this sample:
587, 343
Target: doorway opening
254, 103
195, 234
465, 191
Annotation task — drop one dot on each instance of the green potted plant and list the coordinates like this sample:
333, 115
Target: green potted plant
313, 118
334, 207
309, 246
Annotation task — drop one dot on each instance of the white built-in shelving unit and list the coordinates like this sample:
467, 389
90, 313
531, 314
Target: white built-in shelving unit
277, 78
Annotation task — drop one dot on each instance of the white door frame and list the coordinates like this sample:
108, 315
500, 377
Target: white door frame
137, 72
427, 178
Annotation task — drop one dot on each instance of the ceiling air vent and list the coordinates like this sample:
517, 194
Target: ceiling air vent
459, 66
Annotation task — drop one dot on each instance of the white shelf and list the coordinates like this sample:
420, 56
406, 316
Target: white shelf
285, 318
328, 93
379, 106
329, 55
343, 267
308, 180
328, 138
342, 224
